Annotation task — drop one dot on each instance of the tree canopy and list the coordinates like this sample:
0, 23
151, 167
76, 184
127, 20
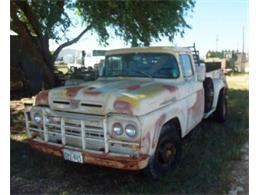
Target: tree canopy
137, 22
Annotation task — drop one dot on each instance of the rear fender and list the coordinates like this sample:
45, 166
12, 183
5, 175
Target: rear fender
218, 86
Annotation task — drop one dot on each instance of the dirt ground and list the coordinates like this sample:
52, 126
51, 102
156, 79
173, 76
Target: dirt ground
240, 173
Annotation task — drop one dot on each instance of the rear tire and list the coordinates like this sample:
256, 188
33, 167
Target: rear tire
222, 108
209, 94
167, 154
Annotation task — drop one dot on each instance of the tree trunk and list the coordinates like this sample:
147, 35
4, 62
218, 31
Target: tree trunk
34, 45
45, 62
38, 46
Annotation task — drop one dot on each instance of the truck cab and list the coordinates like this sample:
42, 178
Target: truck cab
134, 115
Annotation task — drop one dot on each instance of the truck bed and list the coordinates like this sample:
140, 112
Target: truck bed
213, 70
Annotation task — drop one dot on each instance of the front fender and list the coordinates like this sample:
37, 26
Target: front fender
154, 121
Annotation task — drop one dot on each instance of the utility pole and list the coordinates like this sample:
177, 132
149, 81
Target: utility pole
217, 43
242, 67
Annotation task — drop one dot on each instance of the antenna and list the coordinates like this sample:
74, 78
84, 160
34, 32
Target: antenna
242, 69
217, 39
243, 39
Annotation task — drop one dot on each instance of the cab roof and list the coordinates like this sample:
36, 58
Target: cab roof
148, 49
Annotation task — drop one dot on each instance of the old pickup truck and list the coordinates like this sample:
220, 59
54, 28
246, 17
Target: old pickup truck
134, 115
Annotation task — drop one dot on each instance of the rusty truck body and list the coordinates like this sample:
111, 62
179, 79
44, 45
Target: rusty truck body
134, 115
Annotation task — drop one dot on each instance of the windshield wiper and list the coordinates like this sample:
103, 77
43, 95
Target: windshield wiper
144, 73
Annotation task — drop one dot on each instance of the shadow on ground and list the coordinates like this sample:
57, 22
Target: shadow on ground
204, 168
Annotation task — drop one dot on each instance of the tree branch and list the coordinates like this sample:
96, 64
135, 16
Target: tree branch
66, 44
23, 5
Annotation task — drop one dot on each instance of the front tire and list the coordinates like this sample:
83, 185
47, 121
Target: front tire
167, 154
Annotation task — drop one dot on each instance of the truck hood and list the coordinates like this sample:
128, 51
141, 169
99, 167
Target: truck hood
103, 96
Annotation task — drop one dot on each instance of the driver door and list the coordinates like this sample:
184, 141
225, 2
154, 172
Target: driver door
193, 90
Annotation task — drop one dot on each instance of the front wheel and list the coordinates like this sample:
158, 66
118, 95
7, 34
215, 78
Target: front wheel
167, 153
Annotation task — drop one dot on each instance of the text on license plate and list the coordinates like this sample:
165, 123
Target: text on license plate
73, 156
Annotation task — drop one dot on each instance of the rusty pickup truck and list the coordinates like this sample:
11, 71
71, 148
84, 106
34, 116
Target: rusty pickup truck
134, 115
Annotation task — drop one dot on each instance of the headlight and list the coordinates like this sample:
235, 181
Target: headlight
131, 130
37, 118
49, 119
117, 129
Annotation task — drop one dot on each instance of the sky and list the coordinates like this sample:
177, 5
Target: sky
215, 25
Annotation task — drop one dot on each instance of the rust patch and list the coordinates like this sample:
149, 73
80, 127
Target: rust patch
92, 92
103, 159
148, 138
42, 98
47, 148
119, 162
123, 107
198, 107
134, 165
133, 87
170, 88
157, 129
72, 91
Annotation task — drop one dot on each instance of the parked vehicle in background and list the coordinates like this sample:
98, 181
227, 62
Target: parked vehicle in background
80, 75
134, 115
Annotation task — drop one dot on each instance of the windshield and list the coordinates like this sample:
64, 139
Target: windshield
153, 65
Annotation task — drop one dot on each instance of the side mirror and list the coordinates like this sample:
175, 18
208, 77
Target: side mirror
201, 72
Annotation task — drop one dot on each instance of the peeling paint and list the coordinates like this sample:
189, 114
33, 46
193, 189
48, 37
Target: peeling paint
157, 129
42, 98
170, 88
72, 91
127, 96
47, 148
123, 107
92, 92
133, 87
198, 106
147, 142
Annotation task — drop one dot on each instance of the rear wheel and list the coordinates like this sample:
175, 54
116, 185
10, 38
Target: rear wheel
222, 108
209, 94
167, 153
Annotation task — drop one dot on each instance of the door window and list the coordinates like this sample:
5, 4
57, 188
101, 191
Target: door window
186, 65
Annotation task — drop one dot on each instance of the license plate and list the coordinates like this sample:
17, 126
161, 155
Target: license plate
73, 156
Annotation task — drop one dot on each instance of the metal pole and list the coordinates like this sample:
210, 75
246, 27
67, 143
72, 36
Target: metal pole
242, 57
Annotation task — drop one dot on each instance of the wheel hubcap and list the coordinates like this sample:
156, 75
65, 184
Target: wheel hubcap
167, 153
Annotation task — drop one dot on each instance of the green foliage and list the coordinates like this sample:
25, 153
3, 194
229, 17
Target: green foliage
44, 18
221, 54
138, 22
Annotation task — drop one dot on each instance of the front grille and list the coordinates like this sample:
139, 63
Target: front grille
70, 132
91, 105
81, 131
61, 102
